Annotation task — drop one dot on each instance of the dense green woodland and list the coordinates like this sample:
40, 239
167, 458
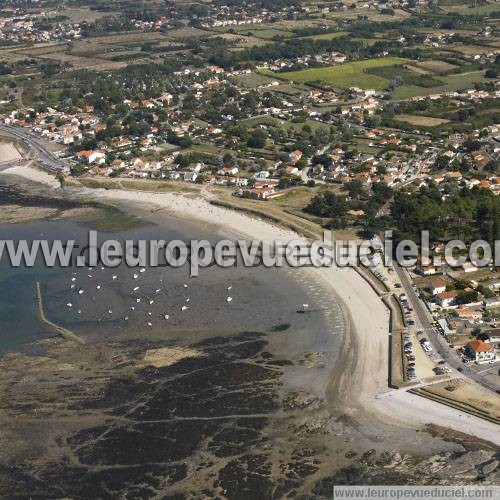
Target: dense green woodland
463, 214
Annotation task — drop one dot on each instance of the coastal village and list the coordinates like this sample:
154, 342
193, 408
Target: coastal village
274, 120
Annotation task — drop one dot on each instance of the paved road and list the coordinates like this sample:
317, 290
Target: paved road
438, 342
45, 157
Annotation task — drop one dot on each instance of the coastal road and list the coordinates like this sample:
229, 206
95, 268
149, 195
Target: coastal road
46, 158
438, 342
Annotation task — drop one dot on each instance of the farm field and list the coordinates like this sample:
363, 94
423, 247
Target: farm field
259, 31
327, 36
452, 84
472, 50
421, 121
471, 11
187, 33
253, 79
371, 14
77, 15
345, 75
435, 66
95, 53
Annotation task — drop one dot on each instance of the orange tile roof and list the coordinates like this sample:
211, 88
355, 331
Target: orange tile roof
480, 346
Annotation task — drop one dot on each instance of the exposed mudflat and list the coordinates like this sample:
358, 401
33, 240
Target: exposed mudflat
98, 421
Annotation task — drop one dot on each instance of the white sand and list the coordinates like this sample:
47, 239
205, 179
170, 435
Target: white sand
363, 385
33, 175
8, 152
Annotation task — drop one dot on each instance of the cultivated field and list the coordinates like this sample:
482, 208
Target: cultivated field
452, 83
97, 53
328, 36
436, 66
421, 121
345, 75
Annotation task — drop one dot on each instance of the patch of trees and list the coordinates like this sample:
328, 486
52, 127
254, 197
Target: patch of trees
466, 215
327, 204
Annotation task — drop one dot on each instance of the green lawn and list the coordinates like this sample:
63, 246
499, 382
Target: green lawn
344, 75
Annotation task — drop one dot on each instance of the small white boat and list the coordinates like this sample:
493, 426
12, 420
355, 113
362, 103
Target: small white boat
89, 275
183, 308
229, 299
142, 270
102, 268
73, 279
72, 286
69, 304
126, 318
136, 288
185, 286
151, 302
110, 311
138, 300
132, 307
80, 292
150, 313
166, 316
90, 269
158, 290
229, 287
114, 276
79, 311
136, 276
150, 324
98, 287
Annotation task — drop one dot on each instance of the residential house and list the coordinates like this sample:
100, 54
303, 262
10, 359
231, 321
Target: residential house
437, 286
491, 302
480, 352
190, 176
295, 156
90, 157
469, 267
227, 171
425, 267
447, 299
492, 336
468, 313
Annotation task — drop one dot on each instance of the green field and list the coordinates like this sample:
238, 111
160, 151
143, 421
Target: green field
482, 10
344, 75
327, 36
452, 83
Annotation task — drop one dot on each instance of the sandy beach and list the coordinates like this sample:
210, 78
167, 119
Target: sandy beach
361, 380
8, 152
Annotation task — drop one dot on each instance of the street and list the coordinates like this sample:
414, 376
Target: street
425, 321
